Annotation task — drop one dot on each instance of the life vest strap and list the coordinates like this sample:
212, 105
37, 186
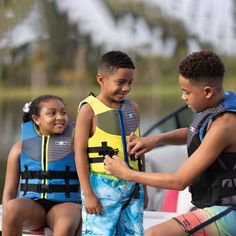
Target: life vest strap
103, 150
134, 194
51, 188
96, 160
49, 175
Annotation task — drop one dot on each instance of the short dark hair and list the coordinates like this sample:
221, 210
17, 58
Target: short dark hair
114, 60
203, 67
36, 106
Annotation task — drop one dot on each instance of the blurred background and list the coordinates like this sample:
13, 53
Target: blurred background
53, 46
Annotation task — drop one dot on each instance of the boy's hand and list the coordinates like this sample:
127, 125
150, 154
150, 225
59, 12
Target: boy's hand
132, 137
93, 205
116, 166
139, 145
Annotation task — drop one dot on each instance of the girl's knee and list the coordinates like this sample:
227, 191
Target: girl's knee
13, 212
65, 226
12, 207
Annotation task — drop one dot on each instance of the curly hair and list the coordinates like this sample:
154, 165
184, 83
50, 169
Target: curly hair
113, 60
203, 66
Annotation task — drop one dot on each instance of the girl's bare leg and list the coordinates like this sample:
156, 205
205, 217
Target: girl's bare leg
22, 213
64, 218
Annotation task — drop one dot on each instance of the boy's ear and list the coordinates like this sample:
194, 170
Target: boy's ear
100, 78
208, 91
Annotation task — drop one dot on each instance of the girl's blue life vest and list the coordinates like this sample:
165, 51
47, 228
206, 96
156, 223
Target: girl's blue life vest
216, 186
47, 165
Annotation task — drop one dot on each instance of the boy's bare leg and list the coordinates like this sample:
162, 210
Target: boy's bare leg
168, 228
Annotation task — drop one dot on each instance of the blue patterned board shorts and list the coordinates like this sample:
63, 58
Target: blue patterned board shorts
113, 194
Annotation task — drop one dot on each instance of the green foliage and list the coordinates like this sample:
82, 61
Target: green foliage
63, 56
12, 12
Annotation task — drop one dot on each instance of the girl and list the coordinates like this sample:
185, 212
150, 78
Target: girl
42, 166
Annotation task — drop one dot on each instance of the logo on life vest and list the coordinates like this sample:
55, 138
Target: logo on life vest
192, 129
61, 143
130, 115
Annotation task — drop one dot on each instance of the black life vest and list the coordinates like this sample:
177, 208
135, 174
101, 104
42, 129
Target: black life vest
217, 185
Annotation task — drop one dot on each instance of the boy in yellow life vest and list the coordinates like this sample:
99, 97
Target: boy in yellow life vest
111, 206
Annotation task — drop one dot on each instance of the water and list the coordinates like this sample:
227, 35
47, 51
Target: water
151, 109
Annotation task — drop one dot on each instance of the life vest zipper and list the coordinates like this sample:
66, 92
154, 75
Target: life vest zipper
44, 161
123, 136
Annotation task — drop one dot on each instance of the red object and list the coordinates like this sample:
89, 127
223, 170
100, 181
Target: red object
37, 232
170, 201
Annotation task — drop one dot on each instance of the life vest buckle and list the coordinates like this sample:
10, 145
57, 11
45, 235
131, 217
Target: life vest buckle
44, 188
44, 174
107, 150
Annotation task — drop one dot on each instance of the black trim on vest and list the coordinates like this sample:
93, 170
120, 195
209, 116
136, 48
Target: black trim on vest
102, 151
135, 194
52, 188
48, 174
96, 159
67, 175
208, 189
27, 180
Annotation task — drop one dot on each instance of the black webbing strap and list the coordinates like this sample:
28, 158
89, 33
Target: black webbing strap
211, 220
52, 188
26, 181
102, 151
67, 181
48, 174
134, 194
96, 159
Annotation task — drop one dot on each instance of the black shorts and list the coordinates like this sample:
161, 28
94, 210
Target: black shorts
46, 204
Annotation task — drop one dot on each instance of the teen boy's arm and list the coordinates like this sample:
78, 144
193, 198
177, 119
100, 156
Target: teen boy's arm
219, 138
139, 146
82, 132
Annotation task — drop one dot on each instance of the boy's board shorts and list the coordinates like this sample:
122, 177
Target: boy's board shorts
113, 195
225, 223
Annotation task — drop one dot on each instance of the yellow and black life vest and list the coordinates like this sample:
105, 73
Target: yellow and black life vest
112, 130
